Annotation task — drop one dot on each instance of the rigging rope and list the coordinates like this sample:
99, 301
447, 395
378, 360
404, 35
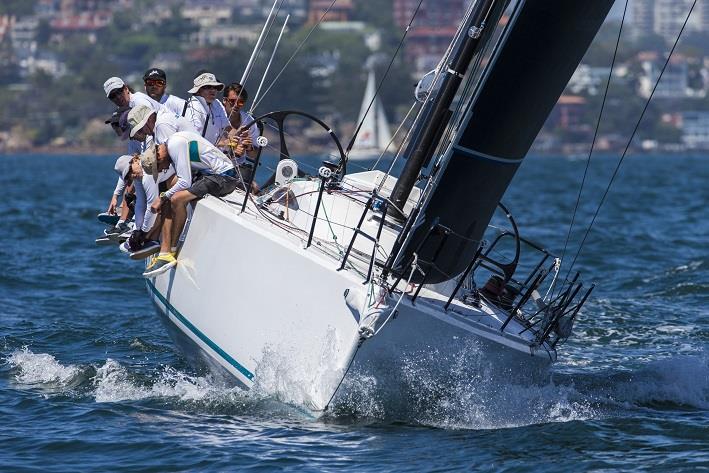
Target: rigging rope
393, 137
593, 142
381, 81
297, 50
630, 140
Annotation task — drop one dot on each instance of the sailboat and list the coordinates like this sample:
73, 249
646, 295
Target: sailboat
374, 137
320, 277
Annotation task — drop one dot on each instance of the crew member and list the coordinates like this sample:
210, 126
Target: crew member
188, 152
155, 81
205, 112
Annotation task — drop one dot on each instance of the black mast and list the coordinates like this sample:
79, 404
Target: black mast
434, 118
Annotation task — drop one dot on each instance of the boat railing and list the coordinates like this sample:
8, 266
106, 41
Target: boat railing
382, 205
518, 297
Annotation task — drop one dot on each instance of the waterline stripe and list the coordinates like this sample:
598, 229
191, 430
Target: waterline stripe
199, 334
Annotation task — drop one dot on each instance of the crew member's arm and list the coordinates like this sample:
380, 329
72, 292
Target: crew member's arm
150, 194
140, 203
178, 149
120, 185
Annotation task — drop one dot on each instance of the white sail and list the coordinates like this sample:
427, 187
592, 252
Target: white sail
383, 133
374, 135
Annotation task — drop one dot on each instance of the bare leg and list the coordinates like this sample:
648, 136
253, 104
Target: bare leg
164, 222
154, 233
179, 204
167, 215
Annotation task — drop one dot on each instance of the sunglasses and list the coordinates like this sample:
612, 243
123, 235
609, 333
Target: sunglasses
153, 82
115, 93
233, 102
210, 87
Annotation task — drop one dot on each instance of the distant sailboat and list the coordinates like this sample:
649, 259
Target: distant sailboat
374, 135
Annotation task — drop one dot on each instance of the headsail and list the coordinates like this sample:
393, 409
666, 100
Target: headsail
541, 48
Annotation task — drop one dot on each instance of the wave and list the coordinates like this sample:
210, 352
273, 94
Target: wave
169, 388
42, 369
487, 400
493, 400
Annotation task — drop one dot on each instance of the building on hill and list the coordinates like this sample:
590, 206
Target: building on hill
340, 11
588, 79
229, 36
683, 78
695, 129
85, 23
207, 13
433, 28
568, 112
665, 17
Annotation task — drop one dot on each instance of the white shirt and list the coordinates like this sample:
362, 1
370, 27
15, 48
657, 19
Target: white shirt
139, 98
189, 151
167, 123
213, 115
173, 103
146, 191
120, 185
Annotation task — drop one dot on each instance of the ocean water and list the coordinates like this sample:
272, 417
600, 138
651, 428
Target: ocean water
89, 380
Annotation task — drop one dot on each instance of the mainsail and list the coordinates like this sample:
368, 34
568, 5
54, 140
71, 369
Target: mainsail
539, 51
374, 135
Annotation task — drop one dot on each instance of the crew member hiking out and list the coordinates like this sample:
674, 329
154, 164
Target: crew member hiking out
214, 173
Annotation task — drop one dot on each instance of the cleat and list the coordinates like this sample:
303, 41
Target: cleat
159, 265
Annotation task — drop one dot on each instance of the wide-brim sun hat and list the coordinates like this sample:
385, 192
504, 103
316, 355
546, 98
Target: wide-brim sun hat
149, 162
122, 166
206, 78
138, 117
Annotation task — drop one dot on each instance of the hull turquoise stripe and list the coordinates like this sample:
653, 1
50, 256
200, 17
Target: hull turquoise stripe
199, 334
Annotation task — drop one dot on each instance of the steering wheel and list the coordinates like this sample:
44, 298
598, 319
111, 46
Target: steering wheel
279, 118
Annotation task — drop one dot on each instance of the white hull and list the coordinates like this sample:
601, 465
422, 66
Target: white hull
276, 315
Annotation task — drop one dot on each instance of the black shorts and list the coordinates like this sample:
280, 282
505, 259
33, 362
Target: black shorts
217, 185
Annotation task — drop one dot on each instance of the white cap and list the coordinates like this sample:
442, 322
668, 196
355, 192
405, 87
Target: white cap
138, 117
122, 166
113, 83
205, 79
